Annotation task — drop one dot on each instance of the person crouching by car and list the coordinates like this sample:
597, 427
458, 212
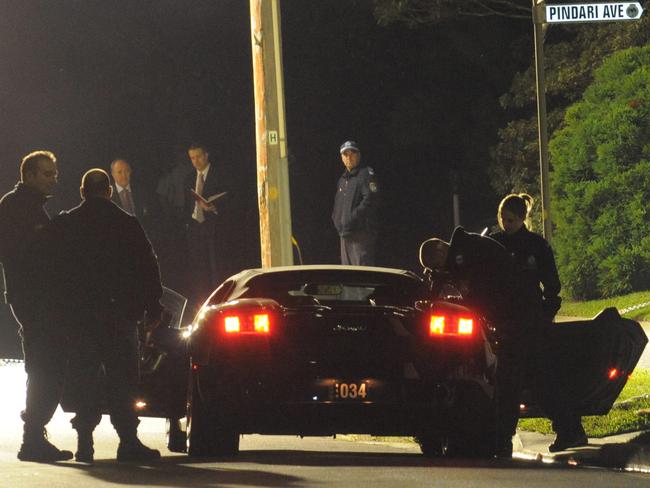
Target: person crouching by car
535, 265
113, 277
482, 271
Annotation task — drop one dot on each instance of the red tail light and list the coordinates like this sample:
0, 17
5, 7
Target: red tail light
261, 323
232, 324
451, 325
612, 374
437, 325
248, 323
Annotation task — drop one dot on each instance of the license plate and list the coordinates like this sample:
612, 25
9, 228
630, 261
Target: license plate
359, 390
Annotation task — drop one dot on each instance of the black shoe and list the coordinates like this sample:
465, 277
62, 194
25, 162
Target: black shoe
564, 442
85, 452
40, 450
87, 457
136, 451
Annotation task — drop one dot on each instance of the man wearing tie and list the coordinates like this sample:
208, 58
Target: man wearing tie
123, 195
202, 228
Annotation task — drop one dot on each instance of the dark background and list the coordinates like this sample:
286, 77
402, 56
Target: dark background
95, 80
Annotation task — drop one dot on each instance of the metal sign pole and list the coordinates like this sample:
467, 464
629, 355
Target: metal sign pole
542, 123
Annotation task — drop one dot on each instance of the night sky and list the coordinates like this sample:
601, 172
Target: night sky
95, 80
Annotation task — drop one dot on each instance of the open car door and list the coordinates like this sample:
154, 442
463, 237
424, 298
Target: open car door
164, 364
585, 364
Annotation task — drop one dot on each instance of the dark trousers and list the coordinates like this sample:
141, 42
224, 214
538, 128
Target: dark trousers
45, 351
511, 371
202, 249
358, 249
104, 372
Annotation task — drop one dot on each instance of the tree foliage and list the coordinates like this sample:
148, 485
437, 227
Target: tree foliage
571, 54
601, 181
416, 12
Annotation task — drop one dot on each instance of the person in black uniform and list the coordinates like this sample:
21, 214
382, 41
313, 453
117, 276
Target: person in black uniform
112, 282
535, 265
22, 222
482, 271
355, 208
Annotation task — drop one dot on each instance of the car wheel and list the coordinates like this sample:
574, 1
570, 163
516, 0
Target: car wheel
432, 445
210, 432
176, 438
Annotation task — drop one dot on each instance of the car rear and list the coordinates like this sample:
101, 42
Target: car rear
308, 362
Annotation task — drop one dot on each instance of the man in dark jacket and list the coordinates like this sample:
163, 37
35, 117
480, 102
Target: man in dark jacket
112, 282
355, 208
22, 221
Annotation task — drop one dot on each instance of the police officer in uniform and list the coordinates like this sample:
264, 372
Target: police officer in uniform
113, 281
355, 208
535, 266
23, 220
482, 271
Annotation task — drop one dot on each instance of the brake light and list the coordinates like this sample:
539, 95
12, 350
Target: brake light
232, 325
465, 326
246, 323
261, 323
437, 325
451, 325
612, 374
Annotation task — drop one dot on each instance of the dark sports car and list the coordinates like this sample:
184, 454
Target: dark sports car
321, 350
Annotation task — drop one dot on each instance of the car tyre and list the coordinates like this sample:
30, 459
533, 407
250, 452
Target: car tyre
209, 431
432, 445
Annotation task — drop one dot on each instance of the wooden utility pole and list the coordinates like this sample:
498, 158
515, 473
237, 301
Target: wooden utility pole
271, 140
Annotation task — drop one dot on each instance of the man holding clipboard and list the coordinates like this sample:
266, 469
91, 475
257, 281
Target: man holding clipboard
203, 227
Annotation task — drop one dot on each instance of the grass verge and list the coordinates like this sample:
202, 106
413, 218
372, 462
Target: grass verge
592, 307
631, 412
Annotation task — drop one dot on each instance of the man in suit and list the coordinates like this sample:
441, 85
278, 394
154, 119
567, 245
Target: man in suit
124, 196
204, 223
112, 282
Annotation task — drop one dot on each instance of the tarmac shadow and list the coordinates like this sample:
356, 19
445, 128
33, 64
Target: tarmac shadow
182, 472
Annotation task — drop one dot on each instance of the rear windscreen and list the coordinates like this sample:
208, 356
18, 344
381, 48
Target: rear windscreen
398, 291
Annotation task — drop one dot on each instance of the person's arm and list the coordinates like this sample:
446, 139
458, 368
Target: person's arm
369, 200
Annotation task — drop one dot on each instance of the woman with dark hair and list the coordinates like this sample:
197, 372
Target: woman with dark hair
537, 273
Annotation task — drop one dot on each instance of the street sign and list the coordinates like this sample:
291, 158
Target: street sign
593, 12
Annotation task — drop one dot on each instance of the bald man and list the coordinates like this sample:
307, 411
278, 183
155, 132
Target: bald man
114, 282
126, 195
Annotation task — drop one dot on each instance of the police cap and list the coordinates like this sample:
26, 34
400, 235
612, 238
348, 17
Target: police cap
349, 145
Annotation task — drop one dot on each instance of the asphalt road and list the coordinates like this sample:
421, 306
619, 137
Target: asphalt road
269, 461
644, 361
